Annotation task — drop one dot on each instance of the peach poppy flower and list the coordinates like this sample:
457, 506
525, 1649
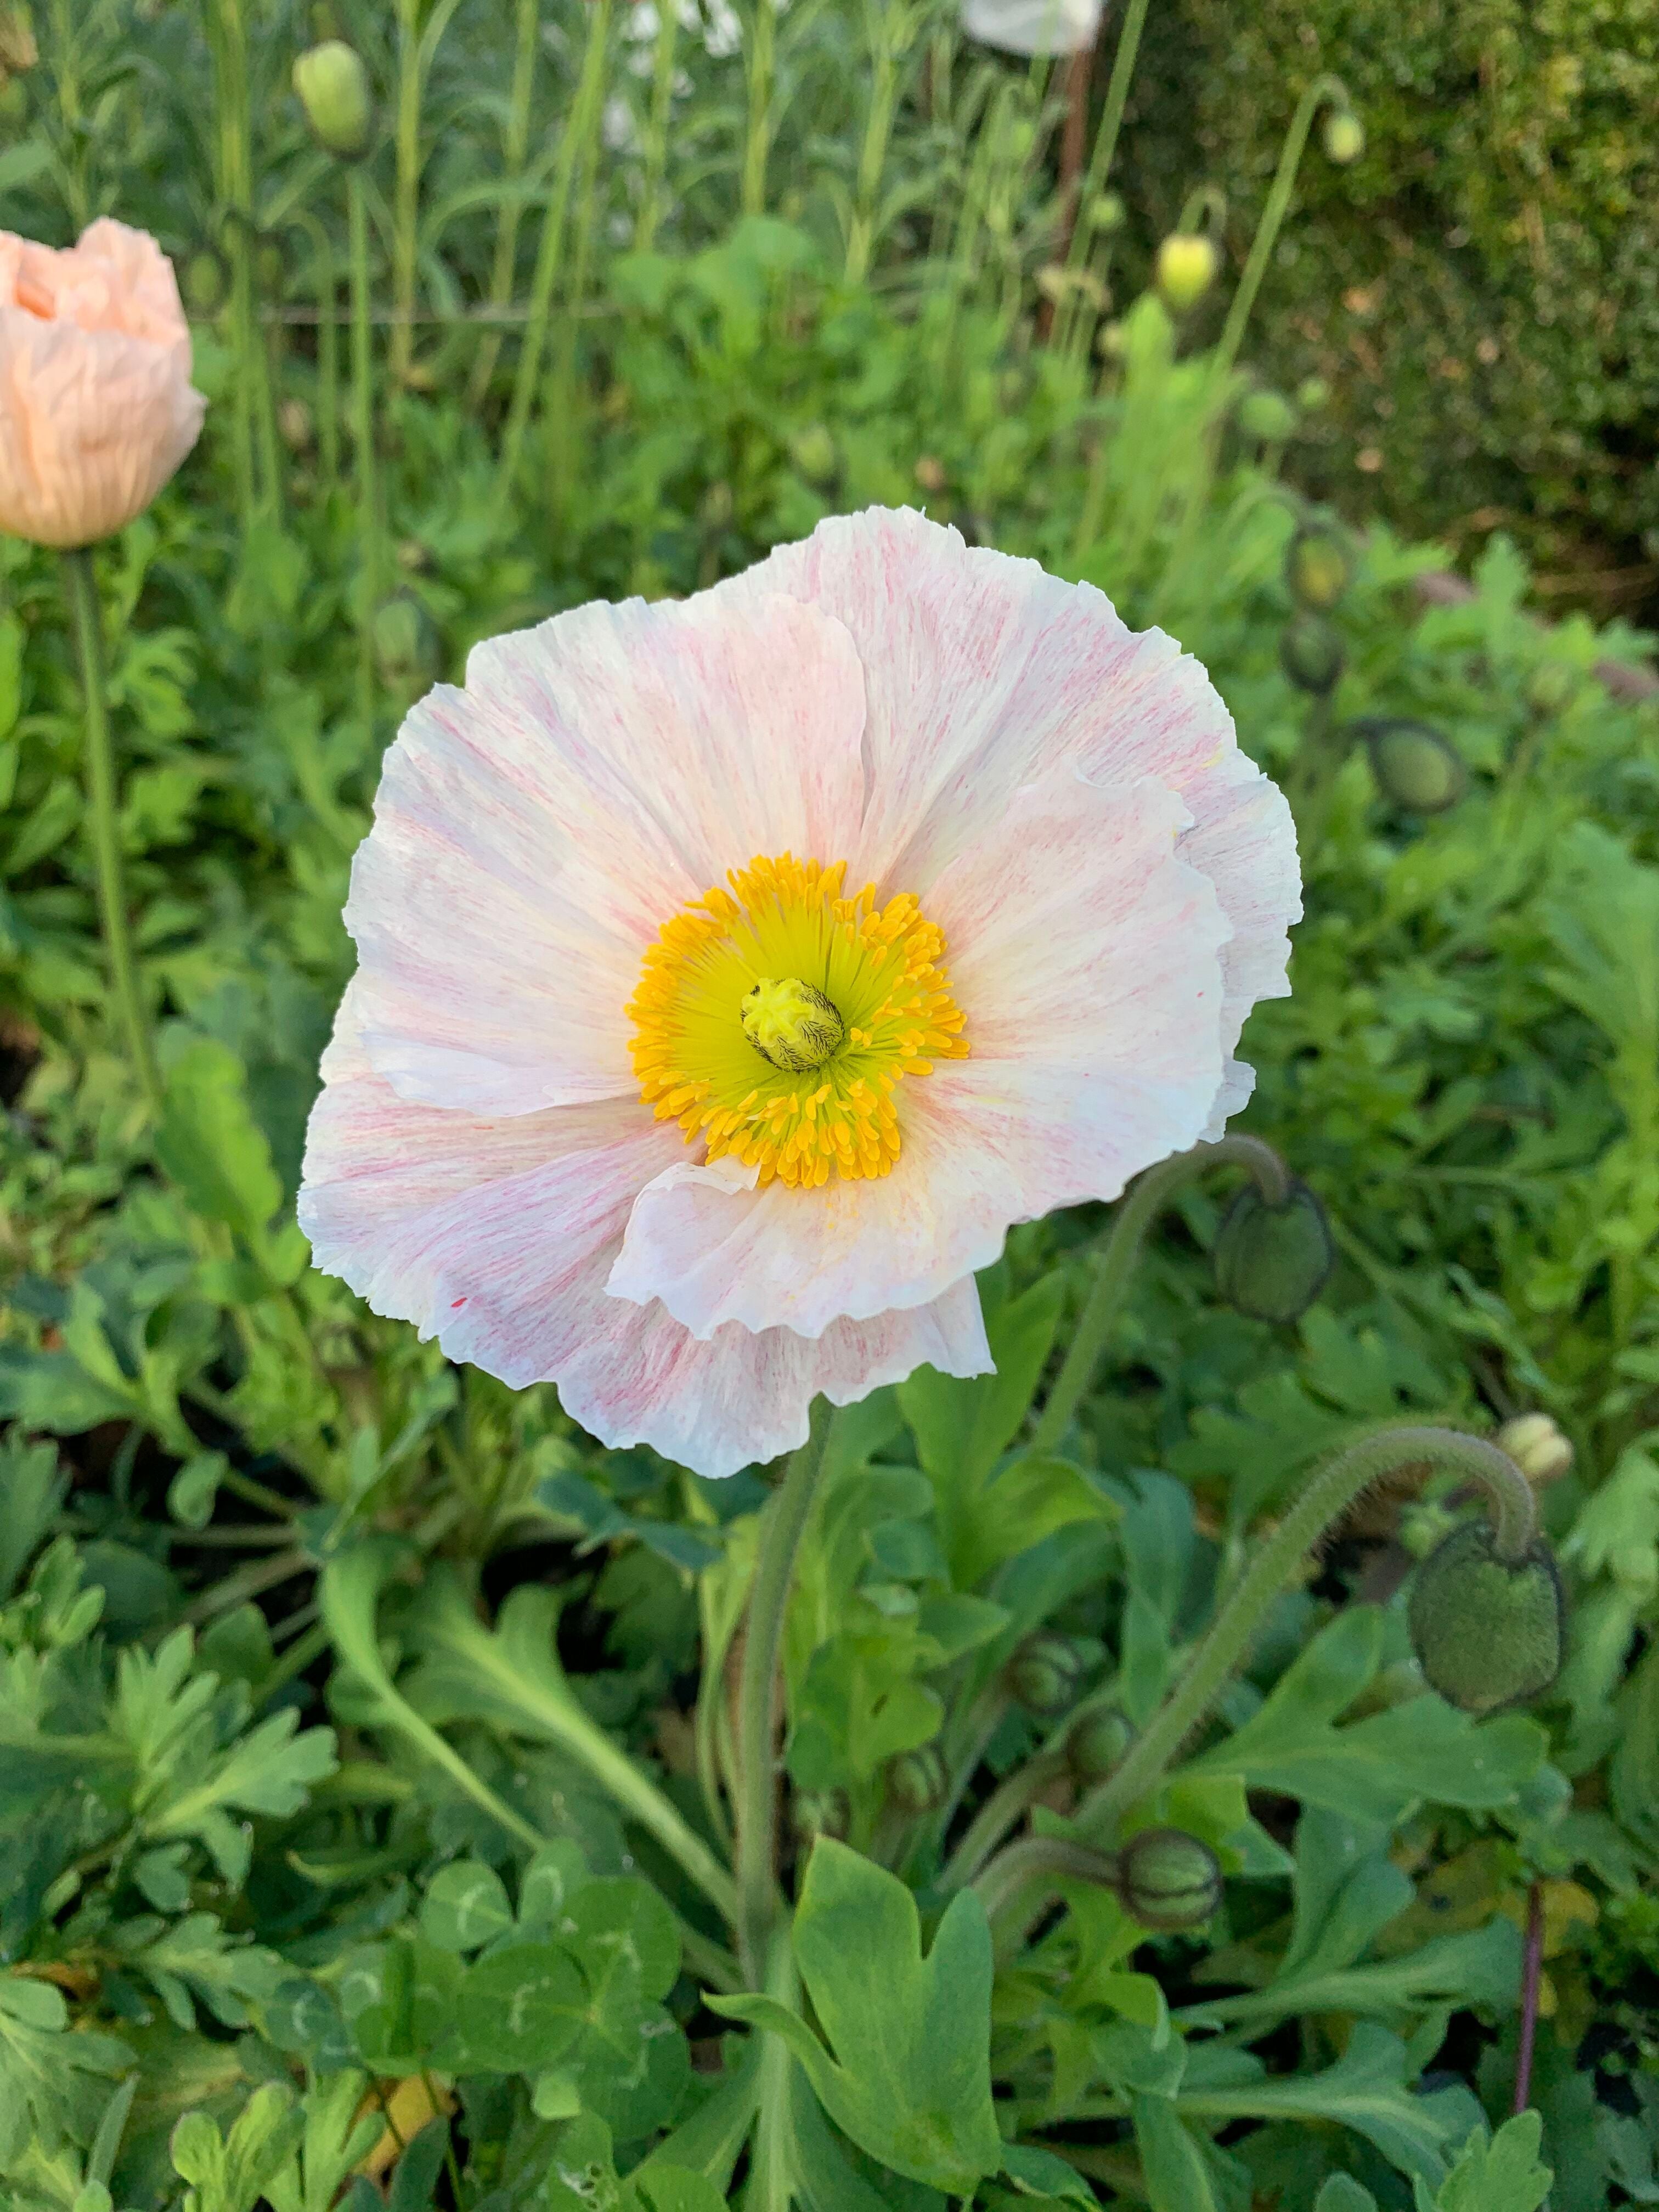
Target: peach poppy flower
96, 406
734, 972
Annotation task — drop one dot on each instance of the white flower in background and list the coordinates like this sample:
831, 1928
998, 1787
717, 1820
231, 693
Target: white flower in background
1033, 26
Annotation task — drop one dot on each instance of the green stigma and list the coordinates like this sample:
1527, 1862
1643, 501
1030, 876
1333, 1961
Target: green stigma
791, 1024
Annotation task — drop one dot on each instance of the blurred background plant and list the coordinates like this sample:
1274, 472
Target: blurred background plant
368, 1736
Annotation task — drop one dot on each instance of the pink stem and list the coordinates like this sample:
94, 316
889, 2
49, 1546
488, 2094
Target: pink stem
1531, 1975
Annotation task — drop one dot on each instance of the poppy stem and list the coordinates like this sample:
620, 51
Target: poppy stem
86, 620
362, 436
1532, 1976
758, 1785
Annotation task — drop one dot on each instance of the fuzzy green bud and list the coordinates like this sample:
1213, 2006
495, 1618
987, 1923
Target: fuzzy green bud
1267, 415
204, 282
1344, 134
1318, 567
1312, 394
1097, 1745
1537, 1446
916, 1780
1105, 212
1310, 653
1551, 686
1043, 1674
1271, 1261
1415, 769
1167, 1879
406, 649
1487, 1631
333, 86
813, 452
1186, 268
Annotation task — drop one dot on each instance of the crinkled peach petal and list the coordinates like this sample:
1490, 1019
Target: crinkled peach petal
984, 672
533, 832
1086, 955
497, 1236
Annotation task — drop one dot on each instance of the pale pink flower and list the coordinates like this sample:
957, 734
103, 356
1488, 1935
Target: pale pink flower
96, 408
1078, 888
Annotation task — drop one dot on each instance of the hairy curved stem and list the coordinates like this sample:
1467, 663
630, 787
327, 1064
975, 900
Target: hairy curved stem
81, 587
1322, 89
1135, 1214
363, 438
768, 1600
762, 54
1327, 1496
1029, 1870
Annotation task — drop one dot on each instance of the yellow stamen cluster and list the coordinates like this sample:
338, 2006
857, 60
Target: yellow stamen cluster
784, 925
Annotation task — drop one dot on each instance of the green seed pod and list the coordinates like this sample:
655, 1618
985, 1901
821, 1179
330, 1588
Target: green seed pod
1267, 415
820, 1813
1537, 1446
1105, 212
1270, 1262
1044, 1673
1313, 394
1167, 1879
1186, 268
1344, 134
1310, 653
1487, 1631
1097, 1745
406, 649
204, 282
813, 452
1551, 686
1318, 567
916, 1780
333, 86
1415, 769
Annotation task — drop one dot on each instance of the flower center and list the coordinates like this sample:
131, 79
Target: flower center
777, 1020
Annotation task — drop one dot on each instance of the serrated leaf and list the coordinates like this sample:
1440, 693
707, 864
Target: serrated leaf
208, 1143
1502, 2175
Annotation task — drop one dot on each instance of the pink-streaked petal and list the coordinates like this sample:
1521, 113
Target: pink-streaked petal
497, 1238
534, 831
1086, 955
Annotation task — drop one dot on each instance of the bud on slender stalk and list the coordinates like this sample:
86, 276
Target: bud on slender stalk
1344, 134
1487, 1631
204, 282
1270, 1261
1167, 1879
1310, 653
333, 86
1313, 393
1043, 1674
406, 645
1318, 567
1415, 769
1267, 415
1096, 1744
813, 452
1186, 268
1537, 1446
916, 1780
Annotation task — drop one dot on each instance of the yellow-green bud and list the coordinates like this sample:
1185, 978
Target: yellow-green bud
205, 281
1487, 1631
1270, 1262
333, 86
1167, 1879
1105, 212
1097, 1745
1535, 1444
1551, 686
1415, 769
1318, 567
1043, 1674
1313, 393
1310, 653
791, 1023
813, 452
1186, 268
1267, 415
406, 647
916, 1780
1345, 136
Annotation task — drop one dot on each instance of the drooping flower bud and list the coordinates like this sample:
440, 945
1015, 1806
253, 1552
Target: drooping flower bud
1097, 1745
333, 86
1310, 653
1186, 268
1267, 415
1270, 1261
1537, 1446
1318, 567
1415, 769
813, 452
916, 1780
1105, 212
204, 282
1344, 134
1167, 1879
1312, 393
1043, 1674
406, 647
1487, 1631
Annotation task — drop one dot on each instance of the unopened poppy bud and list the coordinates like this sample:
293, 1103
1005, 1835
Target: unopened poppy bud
1267, 415
1318, 567
406, 647
813, 452
1310, 653
333, 86
1044, 1673
1186, 268
916, 1780
1415, 769
204, 282
295, 425
1535, 1444
1551, 686
1312, 394
1097, 1745
18, 52
1487, 1631
1271, 1261
820, 1813
1167, 1879
1105, 212
1344, 134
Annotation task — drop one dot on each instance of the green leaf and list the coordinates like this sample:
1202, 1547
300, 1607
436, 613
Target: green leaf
465, 1906
231, 2173
1342, 2193
1503, 2175
572, 1497
210, 1146
909, 2081
1177, 2173
519, 2008
1038, 2172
